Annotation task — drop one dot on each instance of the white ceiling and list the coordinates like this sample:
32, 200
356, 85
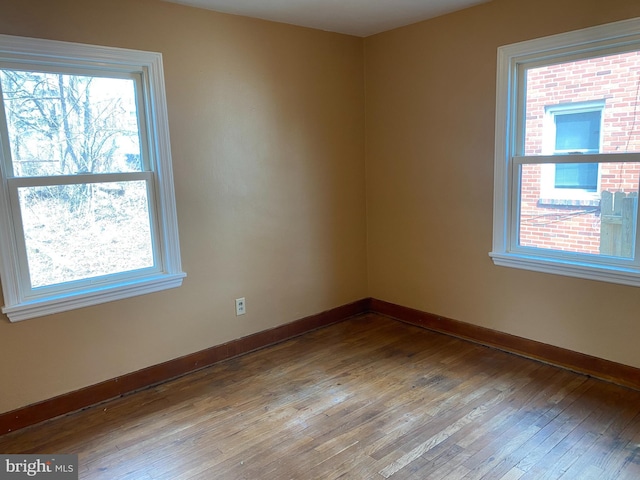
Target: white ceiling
354, 17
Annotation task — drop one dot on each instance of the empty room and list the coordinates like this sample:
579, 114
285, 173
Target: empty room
310, 239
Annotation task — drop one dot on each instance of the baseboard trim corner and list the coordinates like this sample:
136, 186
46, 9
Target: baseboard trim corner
607, 370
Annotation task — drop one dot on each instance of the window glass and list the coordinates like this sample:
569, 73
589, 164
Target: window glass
610, 80
606, 227
61, 124
578, 132
75, 232
577, 175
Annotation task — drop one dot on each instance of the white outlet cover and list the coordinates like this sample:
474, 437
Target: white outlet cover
241, 307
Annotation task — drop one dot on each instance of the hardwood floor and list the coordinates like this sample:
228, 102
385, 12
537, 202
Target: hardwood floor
369, 398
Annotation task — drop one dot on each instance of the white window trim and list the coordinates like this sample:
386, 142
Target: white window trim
548, 191
620, 36
18, 304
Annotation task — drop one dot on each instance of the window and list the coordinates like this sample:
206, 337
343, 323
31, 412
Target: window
567, 162
571, 128
87, 209
575, 132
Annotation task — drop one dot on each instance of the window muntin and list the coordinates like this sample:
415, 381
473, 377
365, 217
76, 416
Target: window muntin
534, 79
87, 209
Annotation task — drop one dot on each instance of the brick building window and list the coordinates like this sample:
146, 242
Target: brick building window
576, 132
570, 129
567, 165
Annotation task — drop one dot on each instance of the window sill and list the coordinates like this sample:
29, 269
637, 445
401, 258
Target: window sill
602, 273
91, 296
569, 202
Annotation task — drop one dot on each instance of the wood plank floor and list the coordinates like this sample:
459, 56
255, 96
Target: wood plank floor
369, 398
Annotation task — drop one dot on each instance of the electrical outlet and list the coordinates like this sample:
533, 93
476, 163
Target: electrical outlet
241, 308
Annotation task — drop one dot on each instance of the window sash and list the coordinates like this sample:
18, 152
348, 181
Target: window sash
14, 184
558, 255
85, 178
579, 158
142, 97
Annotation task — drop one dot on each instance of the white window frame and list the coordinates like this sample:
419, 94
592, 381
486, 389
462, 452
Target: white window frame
21, 301
548, 191
509, 152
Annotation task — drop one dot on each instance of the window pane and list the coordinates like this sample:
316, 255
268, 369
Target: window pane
606, 86
583, 176
70, 124
604, 226
578, 132
74, 232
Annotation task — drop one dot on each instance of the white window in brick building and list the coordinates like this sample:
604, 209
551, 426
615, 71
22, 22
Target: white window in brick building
567, 166
571, 128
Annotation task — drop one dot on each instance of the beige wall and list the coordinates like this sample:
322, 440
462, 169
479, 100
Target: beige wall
267, 131
268, 134
430, 99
